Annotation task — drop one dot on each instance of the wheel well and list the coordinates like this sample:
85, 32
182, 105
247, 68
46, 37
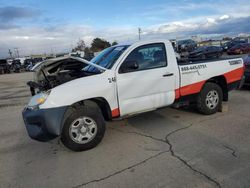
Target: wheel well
104, 106
221, 81
101, 103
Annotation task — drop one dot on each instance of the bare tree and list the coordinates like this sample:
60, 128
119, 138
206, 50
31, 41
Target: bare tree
80, 46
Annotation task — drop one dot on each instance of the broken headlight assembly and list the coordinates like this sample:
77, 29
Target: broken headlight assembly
37, 100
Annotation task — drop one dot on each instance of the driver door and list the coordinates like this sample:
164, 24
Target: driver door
144, 80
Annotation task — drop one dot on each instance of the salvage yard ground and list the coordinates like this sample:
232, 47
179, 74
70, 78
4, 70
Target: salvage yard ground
165, 148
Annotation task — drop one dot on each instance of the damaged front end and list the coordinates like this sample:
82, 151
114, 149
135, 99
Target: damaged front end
44, 124
53, 72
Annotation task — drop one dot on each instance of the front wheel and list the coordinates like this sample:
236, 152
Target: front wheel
209, 99
83, 129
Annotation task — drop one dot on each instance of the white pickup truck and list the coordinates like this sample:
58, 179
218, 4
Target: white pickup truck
73, 97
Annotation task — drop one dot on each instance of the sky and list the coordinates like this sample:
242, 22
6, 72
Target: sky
56, 25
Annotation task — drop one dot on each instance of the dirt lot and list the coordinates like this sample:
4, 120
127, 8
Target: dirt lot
166, 148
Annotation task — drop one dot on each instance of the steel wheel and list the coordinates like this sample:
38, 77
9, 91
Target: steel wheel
212, 99
83, 130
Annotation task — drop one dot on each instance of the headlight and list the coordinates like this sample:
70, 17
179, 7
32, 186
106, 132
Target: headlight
38, 99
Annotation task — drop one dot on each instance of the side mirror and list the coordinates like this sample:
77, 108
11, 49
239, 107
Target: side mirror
128, 66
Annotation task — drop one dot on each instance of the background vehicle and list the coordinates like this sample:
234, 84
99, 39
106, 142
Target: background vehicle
21, 60
121, 81
231, 44
4, 66
239, 49
178, 57
205, 52
247, 70
186, 45
16, 66
28, 64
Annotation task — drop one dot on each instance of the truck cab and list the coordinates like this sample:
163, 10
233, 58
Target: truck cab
146, 77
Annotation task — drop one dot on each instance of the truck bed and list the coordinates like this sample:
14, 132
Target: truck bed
194, 74
188, 62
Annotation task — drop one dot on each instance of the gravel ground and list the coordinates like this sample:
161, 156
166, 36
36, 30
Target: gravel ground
166, 148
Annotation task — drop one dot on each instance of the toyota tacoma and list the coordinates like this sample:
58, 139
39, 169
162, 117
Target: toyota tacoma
72, 97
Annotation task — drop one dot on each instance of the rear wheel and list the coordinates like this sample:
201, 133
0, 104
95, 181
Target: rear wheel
209, 99
83, 129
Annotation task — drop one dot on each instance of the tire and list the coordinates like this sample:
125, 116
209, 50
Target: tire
77, 128
210, 99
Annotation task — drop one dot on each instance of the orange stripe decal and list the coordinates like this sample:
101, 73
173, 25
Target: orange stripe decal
177, 94
231, 77
192, 88
115, 112
234, 75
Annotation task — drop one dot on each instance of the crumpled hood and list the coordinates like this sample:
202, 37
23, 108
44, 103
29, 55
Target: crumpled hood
40, 68
48, 62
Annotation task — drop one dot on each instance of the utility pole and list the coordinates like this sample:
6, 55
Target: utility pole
139, 32
51, 51
10, 52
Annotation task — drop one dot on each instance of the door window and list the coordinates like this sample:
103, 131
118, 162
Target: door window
145, 57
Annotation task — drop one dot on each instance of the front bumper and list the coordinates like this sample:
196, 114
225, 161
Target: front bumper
44, 124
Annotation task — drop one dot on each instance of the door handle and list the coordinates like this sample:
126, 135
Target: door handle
168, 74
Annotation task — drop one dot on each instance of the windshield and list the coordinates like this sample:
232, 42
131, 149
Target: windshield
106, 58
